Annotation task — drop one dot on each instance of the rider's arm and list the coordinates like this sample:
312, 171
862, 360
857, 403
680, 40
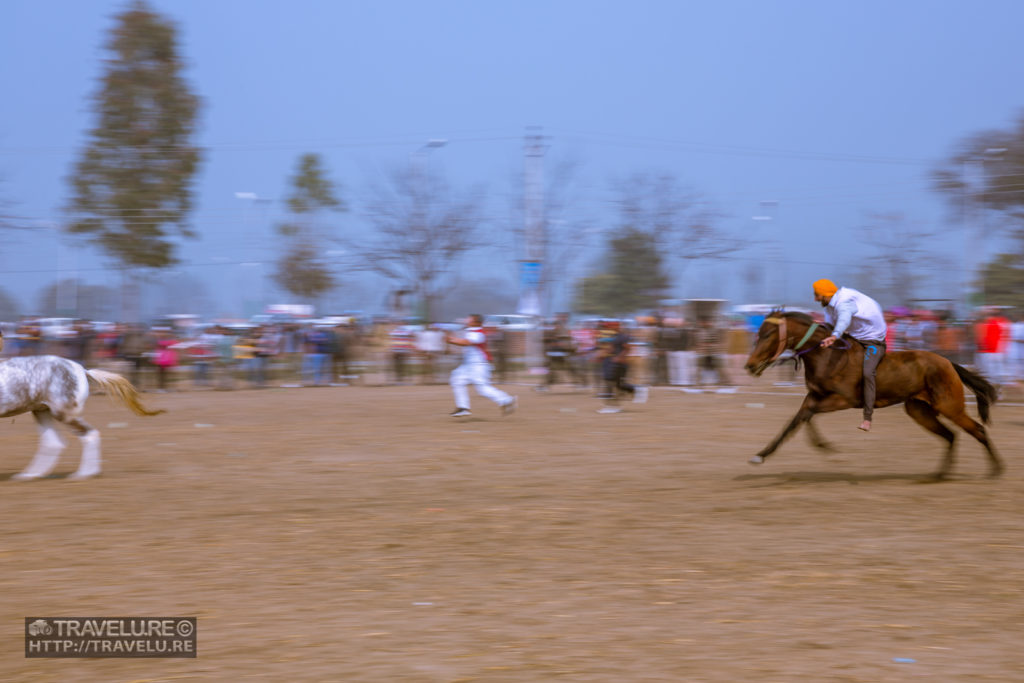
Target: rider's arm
844, 316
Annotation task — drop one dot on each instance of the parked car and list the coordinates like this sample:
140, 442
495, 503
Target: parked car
511, 321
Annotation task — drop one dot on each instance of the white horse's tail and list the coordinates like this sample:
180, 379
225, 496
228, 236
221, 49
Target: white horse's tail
122, 390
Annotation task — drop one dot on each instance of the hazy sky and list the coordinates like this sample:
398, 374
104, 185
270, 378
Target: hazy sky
834, 110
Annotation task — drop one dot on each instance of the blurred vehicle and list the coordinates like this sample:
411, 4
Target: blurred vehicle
511, 321
57, 328
595, 322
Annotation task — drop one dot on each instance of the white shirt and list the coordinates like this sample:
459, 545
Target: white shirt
855, 313
430, 341
475, 352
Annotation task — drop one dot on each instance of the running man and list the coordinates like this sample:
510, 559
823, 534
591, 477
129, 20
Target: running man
475, 370
614, 368
857, 314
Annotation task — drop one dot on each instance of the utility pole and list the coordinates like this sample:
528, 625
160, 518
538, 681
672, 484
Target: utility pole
533, 276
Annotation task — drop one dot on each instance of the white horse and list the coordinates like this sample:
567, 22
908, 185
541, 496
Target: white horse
55, 389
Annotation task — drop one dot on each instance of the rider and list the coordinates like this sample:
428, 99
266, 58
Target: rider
857, 314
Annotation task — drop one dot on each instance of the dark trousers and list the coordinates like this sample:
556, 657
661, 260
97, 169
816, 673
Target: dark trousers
874, 352
615, 379
556, 364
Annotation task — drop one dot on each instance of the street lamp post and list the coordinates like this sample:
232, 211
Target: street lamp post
418, 162
769, 208
254, 200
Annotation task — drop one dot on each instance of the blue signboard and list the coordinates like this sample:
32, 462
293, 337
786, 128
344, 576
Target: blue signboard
529, 274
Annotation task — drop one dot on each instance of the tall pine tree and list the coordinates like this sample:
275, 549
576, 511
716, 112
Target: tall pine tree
301, 270
132, 186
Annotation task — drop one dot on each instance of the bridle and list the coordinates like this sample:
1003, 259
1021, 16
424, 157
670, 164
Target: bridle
783, 337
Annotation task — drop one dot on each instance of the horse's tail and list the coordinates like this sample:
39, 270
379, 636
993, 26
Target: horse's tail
984, 392
122, 390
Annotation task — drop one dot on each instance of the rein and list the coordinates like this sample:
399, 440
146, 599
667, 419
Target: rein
781, 322
810, 331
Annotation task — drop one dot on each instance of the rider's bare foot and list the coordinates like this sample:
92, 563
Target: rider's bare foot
865, 426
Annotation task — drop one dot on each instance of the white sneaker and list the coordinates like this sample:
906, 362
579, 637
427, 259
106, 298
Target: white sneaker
460, 412
510, 407
608, 410
641, 394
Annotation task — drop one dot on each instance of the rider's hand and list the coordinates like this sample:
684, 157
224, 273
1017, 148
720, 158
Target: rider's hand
828, 341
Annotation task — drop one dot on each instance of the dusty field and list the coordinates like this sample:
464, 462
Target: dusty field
359, 534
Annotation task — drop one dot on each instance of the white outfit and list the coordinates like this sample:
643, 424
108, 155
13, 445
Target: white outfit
475, 370
430, 341
856, 314
681, 365
1017, 349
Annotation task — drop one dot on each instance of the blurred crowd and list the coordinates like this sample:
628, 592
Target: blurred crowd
674, 351
662, 349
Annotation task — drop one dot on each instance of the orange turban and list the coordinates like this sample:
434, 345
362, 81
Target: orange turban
825, 288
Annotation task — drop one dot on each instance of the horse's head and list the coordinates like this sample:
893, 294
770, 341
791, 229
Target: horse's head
779, 332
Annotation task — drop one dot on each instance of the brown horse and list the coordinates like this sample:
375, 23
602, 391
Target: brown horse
926, 383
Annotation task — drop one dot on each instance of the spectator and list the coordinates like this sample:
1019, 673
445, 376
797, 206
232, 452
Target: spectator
665, 338
224, 348
134, 349
343, 342
402, 346
559, 348
992, 334
430, 346
585, 359
201, 353
315, 363
166, 358
1017, 347
682, 355
268, 344
615, 350
738, 344
709, 350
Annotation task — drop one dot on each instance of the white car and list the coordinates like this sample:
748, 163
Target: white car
511, 321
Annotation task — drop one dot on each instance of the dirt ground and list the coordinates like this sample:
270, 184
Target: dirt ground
360, 534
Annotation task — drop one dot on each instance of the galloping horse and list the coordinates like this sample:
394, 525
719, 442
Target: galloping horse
54, 388
926, 383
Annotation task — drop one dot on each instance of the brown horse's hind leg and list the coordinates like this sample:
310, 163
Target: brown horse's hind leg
926, 416
817, 440
975, 429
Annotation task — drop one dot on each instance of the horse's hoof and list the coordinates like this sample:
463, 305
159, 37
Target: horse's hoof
756, 460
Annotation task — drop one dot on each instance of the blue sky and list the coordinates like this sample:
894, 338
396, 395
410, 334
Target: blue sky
835, 110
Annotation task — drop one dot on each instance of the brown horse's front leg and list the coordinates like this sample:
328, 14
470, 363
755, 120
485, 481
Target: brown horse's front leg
812, 404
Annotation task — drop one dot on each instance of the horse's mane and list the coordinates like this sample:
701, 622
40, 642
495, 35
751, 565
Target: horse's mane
802, 317
799, 316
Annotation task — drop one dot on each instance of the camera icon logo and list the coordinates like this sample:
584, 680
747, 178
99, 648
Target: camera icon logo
40, 627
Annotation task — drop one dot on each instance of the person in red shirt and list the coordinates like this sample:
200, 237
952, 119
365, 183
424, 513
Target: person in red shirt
992, 334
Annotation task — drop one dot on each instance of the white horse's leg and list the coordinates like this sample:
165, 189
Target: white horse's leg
90, 437
50, 446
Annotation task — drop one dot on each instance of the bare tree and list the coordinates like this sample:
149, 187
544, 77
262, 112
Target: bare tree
683, 225
420, 233
901, 250
985, 175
